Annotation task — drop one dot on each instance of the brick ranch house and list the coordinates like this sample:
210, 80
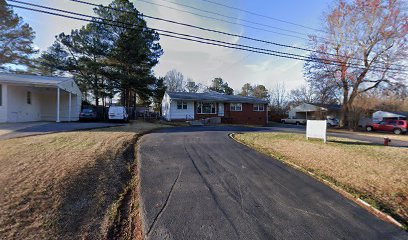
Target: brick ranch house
235, 109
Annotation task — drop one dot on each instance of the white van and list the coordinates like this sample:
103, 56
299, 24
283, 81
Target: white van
118, 113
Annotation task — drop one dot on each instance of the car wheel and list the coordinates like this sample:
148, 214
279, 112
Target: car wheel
283, 122
397, 131
369, 129
297, 123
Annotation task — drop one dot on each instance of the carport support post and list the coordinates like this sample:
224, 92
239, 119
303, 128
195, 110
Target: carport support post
58, 105
69, 106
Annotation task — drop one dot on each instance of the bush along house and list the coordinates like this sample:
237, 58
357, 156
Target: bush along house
232, 109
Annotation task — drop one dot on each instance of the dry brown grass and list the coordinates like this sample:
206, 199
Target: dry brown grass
375, 173
2, 132
65, 185
402, 137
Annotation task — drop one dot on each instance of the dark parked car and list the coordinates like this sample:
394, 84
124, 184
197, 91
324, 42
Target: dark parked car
88, 114
395, 126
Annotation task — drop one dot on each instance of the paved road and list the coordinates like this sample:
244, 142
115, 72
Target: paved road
372, 139
197, 183
38, 128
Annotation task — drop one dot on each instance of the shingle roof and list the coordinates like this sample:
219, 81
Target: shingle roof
212, 96
327, 106
398, 113
31, 79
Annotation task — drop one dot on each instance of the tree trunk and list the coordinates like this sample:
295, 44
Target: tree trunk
345, 108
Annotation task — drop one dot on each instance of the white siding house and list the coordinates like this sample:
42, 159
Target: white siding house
234, 109
26, 98
177, 109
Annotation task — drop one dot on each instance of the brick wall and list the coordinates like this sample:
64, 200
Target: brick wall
246, 116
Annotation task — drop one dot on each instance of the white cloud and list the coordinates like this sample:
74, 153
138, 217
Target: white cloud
198, 61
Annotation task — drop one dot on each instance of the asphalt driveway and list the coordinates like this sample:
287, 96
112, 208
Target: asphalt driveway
13, 130
197, 183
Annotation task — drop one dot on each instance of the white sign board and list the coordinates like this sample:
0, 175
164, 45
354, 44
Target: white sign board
316, 129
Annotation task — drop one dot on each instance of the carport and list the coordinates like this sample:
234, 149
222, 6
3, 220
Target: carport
26, 98
315, 111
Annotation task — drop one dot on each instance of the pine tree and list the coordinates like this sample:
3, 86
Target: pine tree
218, 85
136, 50
16, 38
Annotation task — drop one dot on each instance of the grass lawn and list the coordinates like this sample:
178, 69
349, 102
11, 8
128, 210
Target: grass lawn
70, 185
376, 174
402, 137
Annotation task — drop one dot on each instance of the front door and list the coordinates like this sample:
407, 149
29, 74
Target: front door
221, 109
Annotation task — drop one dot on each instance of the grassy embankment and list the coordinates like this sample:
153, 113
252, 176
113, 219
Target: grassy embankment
376, 174
71, 185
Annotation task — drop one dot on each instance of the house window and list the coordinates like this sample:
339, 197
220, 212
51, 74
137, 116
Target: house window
206, 108
28, 97
1, 95
236, 107
181, 105
259, 108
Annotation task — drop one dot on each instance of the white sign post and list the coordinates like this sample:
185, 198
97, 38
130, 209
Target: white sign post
316, 129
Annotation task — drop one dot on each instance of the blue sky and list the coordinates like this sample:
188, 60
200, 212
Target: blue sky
202, 62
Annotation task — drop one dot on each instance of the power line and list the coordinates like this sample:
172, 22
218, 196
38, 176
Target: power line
235, 18
162, 34
223, 20
226, 33
183, 36
264, 16
240, 24
186, 35
158, 30
236, 46
240, 60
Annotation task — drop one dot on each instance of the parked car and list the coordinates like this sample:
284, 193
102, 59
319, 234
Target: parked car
296, 121
332, 122
88, 114
118, 113
395, 126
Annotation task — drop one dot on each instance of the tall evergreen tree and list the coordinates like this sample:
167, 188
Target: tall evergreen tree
247, 90
88, 51
160, 90
136, 50
218, 85
16, 38
52, 62
113, 54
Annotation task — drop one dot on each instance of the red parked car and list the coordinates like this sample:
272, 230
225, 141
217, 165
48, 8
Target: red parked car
395, 126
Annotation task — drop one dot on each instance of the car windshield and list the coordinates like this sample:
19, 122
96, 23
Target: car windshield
116, 109
87, 110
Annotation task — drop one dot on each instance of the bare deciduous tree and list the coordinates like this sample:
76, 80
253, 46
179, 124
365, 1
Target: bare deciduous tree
300, 95
363, 47
192, 87
279, 99
174, 81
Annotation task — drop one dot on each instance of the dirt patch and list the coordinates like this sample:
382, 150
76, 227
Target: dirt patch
374, 173
65, 185
125, 219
